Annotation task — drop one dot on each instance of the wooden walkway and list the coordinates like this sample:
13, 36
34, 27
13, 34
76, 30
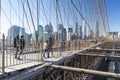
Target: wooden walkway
29, 60
32, 59
35, 60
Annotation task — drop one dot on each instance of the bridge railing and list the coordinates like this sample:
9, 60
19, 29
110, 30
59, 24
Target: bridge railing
33, 53
73, 61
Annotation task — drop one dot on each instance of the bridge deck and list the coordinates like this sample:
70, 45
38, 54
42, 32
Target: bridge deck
63, 54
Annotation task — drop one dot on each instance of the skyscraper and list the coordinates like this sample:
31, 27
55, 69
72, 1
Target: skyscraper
34, 36
84, 30
49, 28
22, 31
70, 30
26, 36
12, 32
40, 33
55, 35
97, 30
60, 31
69, 34
91, 34
78, 31
45, 36
15, 30
64, 34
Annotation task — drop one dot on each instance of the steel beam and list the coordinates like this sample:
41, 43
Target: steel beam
104, 50
86, 71
99, 55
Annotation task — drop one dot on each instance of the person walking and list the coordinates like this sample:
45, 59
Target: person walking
22, 46
45, 48
16, 45
50, 46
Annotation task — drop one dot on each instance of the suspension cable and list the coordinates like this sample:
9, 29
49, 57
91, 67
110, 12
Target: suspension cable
107, 16
0, 19
101, 16
26, 16
31, 16
6, 16
80, 14
44, 11
15, 11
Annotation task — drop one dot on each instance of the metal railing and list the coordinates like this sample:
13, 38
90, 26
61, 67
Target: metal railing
34, 53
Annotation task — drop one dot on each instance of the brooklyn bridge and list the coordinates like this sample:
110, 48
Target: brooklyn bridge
83, 47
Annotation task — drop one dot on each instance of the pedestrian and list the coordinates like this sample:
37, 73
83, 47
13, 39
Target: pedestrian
22, 46
45, 48
16, 45
50, 46
62, 45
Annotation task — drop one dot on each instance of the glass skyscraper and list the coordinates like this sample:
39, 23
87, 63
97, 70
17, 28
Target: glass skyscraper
40, 33
49, 28
60, 31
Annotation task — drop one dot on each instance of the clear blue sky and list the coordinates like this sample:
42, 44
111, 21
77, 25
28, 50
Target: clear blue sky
113, 10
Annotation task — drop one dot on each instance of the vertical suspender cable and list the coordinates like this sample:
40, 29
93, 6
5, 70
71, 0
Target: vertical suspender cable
57, 22
22, 33
11, 38
0, 19
0, 27
10, 35
40, 43
23, 16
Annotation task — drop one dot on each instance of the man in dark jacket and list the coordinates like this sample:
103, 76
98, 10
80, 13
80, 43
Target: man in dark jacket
16, 45
50, 46
22, 45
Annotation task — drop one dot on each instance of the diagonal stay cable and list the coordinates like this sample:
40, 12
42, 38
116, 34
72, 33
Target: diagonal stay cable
81, 14
6, 16
107, 16
101, 16
15, 11
44, 10
60, 13
31, 16
65, 14
26, 16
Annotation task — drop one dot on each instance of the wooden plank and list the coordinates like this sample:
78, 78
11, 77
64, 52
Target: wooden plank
21, 66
